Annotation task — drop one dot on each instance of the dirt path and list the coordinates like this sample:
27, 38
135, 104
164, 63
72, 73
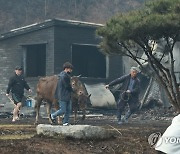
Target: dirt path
21, 138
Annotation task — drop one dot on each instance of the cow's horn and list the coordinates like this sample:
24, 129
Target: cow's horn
79, 75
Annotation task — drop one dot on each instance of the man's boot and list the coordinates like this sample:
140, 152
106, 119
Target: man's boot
126, 117
119, 118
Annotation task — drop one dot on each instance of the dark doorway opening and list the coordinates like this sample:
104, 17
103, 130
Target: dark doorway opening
88, 61
36, 60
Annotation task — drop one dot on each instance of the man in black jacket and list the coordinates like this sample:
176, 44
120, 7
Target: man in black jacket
16, 86
129, 94
63, 94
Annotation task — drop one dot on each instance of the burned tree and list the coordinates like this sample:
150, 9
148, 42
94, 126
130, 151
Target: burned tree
142, 30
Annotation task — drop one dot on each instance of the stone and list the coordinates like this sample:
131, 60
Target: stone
75, 131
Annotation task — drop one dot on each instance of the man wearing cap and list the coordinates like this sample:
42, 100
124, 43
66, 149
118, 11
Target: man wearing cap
16, 86
129, 94
63, 94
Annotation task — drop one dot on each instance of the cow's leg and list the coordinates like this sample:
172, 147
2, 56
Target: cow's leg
48, 108
84, 114
75, 115
60, 120
37, 108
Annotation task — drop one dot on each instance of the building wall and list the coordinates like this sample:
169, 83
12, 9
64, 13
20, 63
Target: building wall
66, 36
11, 51
116, 67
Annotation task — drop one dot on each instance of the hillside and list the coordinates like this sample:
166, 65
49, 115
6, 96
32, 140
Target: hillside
17, 13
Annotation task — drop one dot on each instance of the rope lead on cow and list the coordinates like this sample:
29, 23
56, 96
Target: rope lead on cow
125, 96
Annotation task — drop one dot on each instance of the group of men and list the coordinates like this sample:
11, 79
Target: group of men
129, 93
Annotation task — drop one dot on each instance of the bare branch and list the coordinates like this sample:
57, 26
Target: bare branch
131, 54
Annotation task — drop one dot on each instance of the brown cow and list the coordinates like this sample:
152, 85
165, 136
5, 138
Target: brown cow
45, 93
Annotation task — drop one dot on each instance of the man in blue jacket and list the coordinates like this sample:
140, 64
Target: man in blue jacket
63, 94
129, 94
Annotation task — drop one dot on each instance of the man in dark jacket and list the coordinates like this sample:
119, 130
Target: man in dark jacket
16, 86
129, 94
63, 94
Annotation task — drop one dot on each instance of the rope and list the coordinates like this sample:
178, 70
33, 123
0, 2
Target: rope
124, 95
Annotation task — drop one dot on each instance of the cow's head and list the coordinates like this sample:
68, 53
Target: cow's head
84, 100
80, 90
77, 86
